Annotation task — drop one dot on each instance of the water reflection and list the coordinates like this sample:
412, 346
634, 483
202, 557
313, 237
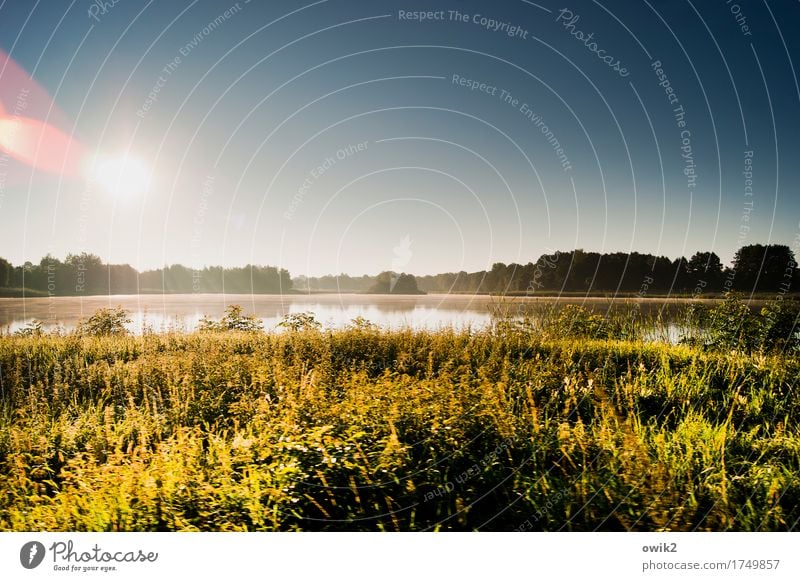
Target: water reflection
183, 312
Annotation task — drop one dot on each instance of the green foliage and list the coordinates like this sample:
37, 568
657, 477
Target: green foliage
206, 325
780, 325
362, 324
106, 321
5, 272
551, 320
233, 320
578, 321
86, 274
365, 429
395, 283
733, 325
298, 322
760, 268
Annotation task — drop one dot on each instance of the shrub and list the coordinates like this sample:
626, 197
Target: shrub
578, 321
779, 325
300, 322
104, 321
733, 325
362, 324
233, 320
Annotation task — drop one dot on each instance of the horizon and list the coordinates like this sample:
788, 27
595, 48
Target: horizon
533, 260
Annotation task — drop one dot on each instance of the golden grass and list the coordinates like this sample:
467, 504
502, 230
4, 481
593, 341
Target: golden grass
365, 429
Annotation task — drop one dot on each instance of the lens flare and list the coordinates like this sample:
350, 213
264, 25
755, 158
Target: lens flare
24, 136
40, 146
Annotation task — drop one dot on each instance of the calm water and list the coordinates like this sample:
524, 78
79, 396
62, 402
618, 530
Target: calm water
183, 312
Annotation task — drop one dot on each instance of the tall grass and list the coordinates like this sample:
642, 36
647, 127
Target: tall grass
368, 429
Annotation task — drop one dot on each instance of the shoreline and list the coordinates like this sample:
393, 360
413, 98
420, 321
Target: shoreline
569, 295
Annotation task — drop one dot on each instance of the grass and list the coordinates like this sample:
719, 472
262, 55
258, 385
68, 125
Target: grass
368, 429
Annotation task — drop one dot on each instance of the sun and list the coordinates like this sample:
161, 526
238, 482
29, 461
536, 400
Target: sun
123, 176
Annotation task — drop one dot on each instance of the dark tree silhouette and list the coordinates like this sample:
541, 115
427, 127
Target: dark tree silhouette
85, 274
393, 283
757, 267
634, 273
704, 270
5, 272
760, 268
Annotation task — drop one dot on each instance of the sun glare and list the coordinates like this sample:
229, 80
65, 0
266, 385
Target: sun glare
122, 176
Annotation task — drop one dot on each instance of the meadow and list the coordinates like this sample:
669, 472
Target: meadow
561, 421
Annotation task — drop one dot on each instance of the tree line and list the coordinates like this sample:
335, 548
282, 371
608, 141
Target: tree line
386, 282
86, 274
755, 268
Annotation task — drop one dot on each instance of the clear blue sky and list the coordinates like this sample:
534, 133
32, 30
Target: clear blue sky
251, 146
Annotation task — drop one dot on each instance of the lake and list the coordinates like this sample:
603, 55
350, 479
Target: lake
184, 311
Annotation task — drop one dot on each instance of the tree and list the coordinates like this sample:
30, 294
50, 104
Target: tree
177, 278
680, 273
123, 279
90, 277
393, 283
497, 279
5, 272
761, 268
705, 270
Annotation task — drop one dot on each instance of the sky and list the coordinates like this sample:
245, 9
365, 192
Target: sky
338, 136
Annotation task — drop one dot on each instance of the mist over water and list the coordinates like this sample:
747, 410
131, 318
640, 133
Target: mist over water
183, 312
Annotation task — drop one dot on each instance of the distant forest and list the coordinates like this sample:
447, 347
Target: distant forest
756, 268
85, 275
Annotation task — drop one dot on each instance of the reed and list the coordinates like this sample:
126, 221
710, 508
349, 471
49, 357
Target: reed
511, 428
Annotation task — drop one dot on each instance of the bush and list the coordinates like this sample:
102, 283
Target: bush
233, 320
561, 321
105, 322
300, 322
779, 325
733, 325
362, 324
578, 321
